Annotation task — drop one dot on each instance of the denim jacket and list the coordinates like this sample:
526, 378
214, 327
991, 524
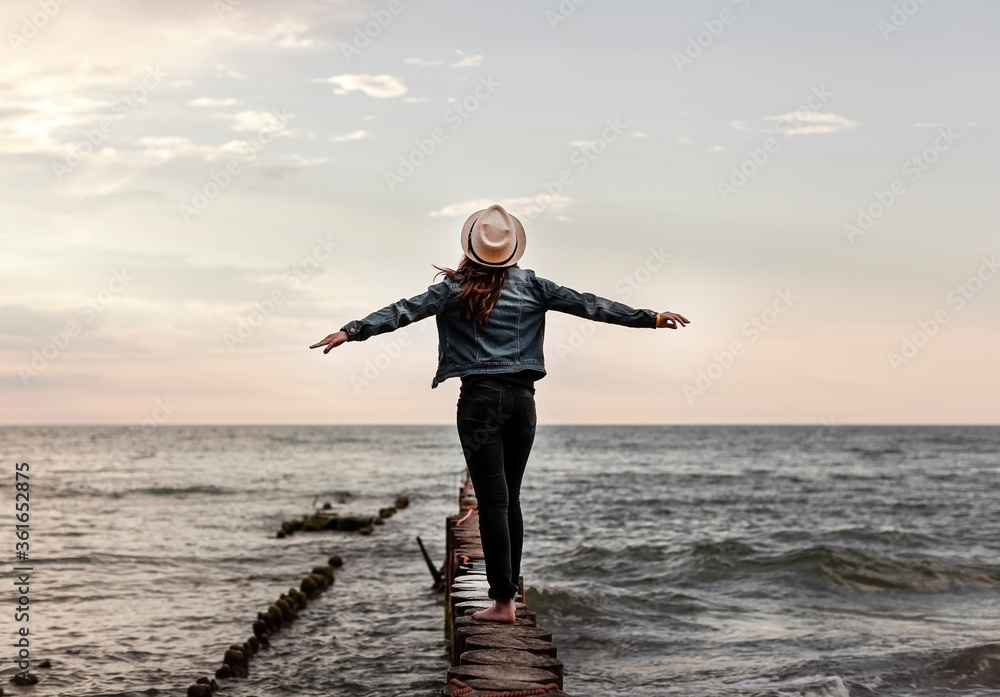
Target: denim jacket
512, 337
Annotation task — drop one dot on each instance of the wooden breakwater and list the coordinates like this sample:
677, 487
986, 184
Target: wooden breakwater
489, 658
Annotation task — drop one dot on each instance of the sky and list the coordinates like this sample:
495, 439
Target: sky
193, 192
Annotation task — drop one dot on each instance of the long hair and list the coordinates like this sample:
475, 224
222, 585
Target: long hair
482, 286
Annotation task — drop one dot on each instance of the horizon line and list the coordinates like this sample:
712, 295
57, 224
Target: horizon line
809, 424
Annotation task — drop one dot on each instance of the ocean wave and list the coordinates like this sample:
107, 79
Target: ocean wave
976, 666
872, 453
179, 491
564, 602
956, 670
858, 571
598, 605
867, 566
808, 686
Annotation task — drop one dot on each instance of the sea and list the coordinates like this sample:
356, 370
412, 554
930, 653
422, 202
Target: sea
738, 561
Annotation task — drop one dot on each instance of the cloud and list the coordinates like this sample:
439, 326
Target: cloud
423, 62
685, 141
739, 125
222, 71
381, 86
716, 148
20, 321
108, 169
527, 206
29, 80
640, 134
32, 126
939, 124
264, 121
356, 135
286, 32
288, 166
468, 61
210, 102
811, 123
159, 149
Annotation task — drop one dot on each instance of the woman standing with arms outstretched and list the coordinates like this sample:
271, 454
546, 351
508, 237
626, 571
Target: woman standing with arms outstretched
491, 322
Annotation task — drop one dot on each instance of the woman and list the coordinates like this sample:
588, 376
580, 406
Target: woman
491, 322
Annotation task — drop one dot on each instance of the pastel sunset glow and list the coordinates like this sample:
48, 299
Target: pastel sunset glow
193, 192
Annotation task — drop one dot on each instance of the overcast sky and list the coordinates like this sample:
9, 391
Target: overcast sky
193, 192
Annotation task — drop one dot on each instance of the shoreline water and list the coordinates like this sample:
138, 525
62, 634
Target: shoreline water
742, 560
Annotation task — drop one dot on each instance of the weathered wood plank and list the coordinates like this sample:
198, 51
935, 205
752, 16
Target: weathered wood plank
494, 672
512, 658
491, 641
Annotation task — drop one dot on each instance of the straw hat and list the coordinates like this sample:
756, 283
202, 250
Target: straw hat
493, 237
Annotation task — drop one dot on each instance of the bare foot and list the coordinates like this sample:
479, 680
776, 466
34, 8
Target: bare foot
500, 611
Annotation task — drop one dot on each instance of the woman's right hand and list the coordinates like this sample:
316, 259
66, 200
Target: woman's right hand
331, 341
671, 320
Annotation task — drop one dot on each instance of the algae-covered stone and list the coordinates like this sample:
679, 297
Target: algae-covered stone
208, 681
324, 571
335, 561
286, 610
274, 614
313, 523
349, 523
309, 586
332, 523
402, 501
237, 662
299, 598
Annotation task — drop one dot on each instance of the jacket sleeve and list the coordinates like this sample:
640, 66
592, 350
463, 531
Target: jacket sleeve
401, 313
590, 306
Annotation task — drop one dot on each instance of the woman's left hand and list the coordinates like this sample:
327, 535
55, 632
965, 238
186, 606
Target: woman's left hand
671, 320
331, 341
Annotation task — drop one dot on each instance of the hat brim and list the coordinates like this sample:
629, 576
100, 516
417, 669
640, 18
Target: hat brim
518, 234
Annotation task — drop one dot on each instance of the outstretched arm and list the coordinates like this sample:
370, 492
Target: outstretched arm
589, 306
392, 317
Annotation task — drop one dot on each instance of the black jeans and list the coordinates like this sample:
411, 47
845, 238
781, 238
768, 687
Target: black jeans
496, 424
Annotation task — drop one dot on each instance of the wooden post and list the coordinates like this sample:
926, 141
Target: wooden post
489, 656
